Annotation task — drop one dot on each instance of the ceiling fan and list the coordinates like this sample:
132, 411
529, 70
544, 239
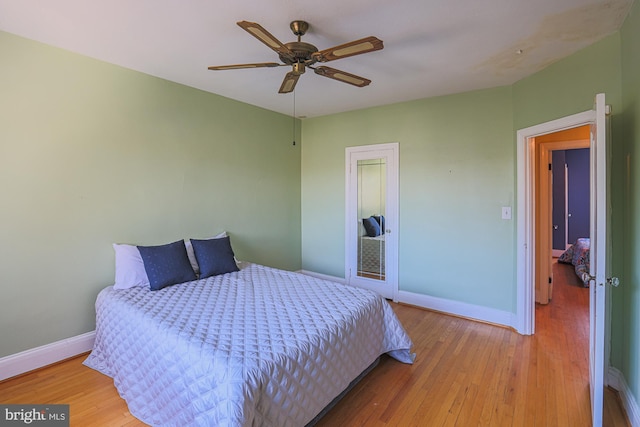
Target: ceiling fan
300, 55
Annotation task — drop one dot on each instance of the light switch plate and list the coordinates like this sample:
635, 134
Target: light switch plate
506, 212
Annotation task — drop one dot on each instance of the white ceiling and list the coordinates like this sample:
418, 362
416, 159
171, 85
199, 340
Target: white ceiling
431, 47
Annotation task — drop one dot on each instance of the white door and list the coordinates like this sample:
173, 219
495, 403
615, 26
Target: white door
371, 245
599, 265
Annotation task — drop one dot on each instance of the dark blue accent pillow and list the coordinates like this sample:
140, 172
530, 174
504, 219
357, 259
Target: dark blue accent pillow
371, 226
214, 256
380, 220
166, 265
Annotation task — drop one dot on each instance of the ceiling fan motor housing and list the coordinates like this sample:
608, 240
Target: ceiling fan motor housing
301, 53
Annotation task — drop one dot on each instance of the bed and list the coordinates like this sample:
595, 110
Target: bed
578, 255
257, 346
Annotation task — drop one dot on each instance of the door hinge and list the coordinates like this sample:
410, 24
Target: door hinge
550, 280
549, 166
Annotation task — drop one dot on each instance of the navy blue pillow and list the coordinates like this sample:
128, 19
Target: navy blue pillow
214, 256
166, 265
371, 226
380, 220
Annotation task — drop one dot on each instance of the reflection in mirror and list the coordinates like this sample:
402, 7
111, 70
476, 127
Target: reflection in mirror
371, 216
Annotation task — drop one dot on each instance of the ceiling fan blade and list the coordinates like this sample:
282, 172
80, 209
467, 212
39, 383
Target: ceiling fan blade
342, 76
289, 82
266, 37
367, 44
239, 66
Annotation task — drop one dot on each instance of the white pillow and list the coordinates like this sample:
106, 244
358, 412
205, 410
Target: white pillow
130, 270
192, 255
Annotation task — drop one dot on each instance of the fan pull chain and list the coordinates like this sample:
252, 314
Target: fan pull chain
294, 117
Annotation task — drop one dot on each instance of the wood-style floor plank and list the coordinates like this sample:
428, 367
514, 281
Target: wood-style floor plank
466, 373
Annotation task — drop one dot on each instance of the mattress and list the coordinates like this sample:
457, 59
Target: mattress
260, 346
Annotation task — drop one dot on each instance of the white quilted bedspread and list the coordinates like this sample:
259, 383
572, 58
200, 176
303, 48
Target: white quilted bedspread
258, 347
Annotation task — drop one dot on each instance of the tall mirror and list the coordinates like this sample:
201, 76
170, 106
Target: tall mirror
371, 216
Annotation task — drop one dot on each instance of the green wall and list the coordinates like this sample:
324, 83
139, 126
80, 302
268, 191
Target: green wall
569, 86
628, 305
92, 154
456, 172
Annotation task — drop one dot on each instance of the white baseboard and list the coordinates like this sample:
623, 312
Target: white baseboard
617, 381
461, 309
456, 308
28, 360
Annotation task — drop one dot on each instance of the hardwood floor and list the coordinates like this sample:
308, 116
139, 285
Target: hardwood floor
466, 373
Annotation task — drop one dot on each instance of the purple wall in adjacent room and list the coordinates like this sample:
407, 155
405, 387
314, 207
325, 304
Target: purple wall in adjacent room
578, 200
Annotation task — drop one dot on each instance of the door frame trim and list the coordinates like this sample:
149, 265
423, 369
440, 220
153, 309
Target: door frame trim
526, 208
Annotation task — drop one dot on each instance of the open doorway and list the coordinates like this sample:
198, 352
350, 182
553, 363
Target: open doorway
528, 229
561, 217
554, 221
